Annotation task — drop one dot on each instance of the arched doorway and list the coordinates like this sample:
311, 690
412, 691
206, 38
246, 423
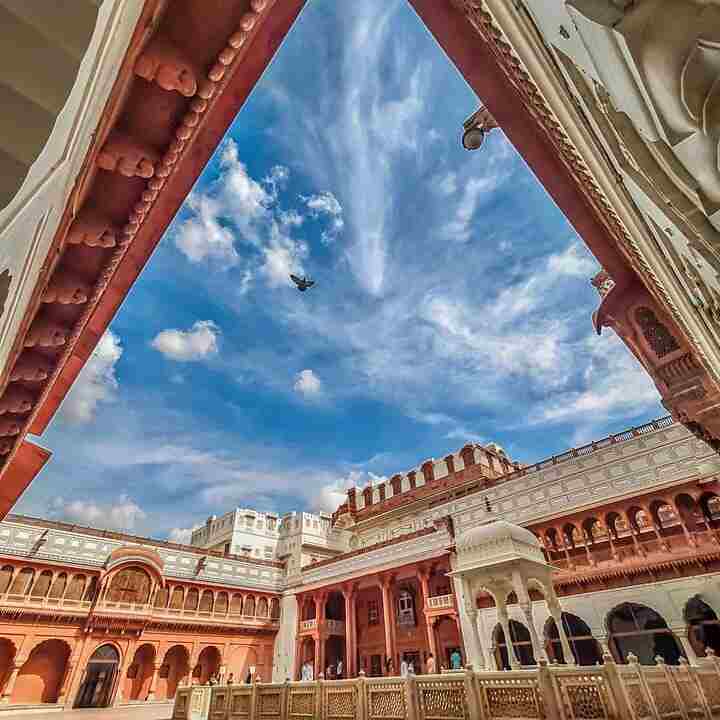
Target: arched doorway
522, 644
41, 676
100, 674
208, 664
447, 641
638, 629
585, 648
703, 626
175, 667
7, 654
139, 674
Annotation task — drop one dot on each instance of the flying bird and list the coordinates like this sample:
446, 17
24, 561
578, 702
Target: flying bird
302, 283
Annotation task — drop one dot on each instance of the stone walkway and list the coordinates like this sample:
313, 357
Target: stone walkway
159, 711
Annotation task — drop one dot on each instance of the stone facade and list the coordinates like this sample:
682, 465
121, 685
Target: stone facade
619, 554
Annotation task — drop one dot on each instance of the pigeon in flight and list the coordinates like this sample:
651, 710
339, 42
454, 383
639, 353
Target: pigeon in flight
302, 283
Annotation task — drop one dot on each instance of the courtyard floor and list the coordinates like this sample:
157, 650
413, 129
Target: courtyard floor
156, 711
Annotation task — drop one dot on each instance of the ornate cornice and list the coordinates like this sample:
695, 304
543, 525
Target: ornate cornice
173, 77
479, 15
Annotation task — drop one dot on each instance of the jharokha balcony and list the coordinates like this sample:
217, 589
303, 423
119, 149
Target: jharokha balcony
659, 534
45, 591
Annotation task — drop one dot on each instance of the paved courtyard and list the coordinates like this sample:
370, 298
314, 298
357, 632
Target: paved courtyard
159, 711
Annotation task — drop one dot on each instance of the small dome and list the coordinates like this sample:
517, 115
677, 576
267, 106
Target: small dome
494, 531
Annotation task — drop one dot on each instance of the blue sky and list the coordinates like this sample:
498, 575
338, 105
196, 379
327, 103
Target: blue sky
452, 303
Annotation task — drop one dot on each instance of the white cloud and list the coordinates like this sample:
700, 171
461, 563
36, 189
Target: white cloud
282, 255
202, 237
574, 261
96, 383
197, 343
615, 384
181, 536
122, 514
325, 203
308, 384
245, 200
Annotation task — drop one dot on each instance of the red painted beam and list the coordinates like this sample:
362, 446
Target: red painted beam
475, 60
27, 462
216, 123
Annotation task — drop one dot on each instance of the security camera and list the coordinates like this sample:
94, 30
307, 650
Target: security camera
476, 127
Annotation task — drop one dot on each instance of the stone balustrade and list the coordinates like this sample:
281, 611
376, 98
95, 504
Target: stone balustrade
439, 602
308, 625
556, 692
335, 627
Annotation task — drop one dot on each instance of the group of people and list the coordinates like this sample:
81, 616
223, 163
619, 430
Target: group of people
334, 670
230, 679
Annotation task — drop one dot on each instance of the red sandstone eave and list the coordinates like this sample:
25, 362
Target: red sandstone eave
218, 120
28, 461
478, 64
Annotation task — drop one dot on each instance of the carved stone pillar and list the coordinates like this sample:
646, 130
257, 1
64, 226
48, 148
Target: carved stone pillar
538, 648
556, 612
388, 618
153, 681
681, 632
350, 638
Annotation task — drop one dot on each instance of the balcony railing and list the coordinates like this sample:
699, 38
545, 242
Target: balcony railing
307, 625
439, 602
132, 609
12, 600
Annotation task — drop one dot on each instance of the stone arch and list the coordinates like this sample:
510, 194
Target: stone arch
208, 663
571, 535
703, 626
709, 503
642, 631
585, 649
100, 677
656, 333
7, 655
129, 585
662, 512
192, 598
22, 582
41, 587
162, 596
221, 603
551, 538
91, 589
139, 673
236, 604
275, 609
612, 520
262, 608
41, 675
522, 644
687, 508
177, 598
5, 577
76, 588
175, 668
207, 601
249, 606
57, 589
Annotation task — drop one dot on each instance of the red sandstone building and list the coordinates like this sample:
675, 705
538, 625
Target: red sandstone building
94, 618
